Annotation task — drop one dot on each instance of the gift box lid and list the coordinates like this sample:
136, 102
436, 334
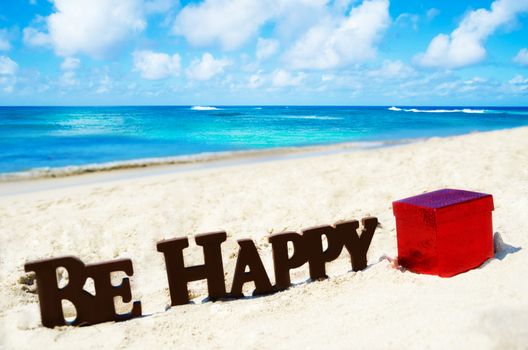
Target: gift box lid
442, 205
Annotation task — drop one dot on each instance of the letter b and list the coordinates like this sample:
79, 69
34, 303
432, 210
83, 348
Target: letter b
90, 309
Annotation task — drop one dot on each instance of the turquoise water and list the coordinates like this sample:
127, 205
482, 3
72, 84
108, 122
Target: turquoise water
42, 137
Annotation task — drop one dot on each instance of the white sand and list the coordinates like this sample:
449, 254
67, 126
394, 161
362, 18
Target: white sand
379, 307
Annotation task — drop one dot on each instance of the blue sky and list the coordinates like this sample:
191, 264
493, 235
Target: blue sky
227, 52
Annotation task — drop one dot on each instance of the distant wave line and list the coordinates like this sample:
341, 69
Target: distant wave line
203, 108
415, 110
462, 110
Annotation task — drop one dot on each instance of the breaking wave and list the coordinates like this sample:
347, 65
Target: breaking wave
203, 108
416, 110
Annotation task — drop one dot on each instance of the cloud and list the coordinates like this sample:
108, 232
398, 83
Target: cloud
393, 70
89, 27
465, 45
295, 17
7, 83
34, 37
156, 65
350, 39
5, 45
229, 23
255, 81
408, 19
206, 68
283, 78
518, 85
432, 13
519, 79
327, 77
68, 79
8, 69
522, 57
7, 66
232, 23
158, 6
266, 48
70, 63
105, 84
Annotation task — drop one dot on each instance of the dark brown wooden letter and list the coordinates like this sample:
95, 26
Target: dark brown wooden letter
282, 263
249, 256
90, 309
179, 275
317, 256
356, 245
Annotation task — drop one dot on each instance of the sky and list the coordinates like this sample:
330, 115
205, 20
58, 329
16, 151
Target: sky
264, 52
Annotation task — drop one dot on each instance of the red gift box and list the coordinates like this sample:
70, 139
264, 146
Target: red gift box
444, 232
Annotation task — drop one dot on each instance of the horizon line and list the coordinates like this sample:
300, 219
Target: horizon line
267, 105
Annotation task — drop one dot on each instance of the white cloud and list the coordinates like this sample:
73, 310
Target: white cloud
393, 69
34, 37
158, 6
105, 84
522, 57
7, 66
7, 83
255, 81
408, 20
463, 86
206, 68
350, 39
432, 13
266, 48
8, 69
295, 17
5, 45
227, 22
518, 79
70, 63
156, 65
68, 79
519, 84
464, 46
89, 27
327, 77
283, 78
232, 23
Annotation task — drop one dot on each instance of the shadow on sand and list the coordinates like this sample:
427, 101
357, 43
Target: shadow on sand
502, 249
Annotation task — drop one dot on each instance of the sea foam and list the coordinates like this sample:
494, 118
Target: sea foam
416, 110
204, 108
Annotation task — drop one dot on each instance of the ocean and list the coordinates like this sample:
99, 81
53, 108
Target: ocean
48, 138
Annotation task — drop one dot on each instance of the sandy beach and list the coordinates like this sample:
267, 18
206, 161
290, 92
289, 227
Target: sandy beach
379, 307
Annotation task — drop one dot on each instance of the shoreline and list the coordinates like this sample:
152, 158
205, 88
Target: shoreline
45, 179
204, 157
